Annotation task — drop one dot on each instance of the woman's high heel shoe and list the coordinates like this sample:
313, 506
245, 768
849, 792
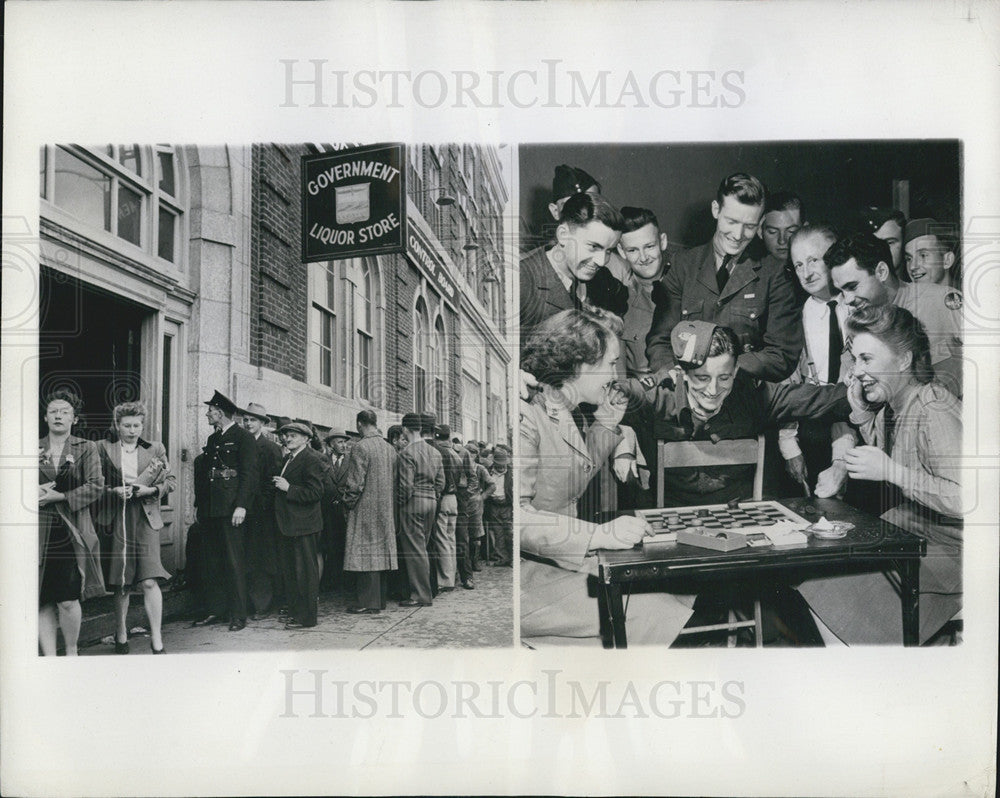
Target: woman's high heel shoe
121, 648
157, 651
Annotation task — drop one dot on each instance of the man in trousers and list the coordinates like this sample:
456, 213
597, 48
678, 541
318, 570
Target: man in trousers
298, 490
419, 483
443, 540
371, 531
231, 472
262, 531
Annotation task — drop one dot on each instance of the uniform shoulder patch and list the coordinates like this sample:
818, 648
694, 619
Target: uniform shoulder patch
953, 300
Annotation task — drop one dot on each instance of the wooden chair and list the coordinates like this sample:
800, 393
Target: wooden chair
696, 454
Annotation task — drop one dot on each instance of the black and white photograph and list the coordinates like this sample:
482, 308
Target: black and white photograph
745, 406
273, 382
478, 398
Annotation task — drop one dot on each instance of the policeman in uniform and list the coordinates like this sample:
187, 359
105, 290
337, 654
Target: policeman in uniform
232, 473
718, 282
419, 482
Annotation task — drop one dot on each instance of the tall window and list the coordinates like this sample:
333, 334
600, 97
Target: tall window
472, 406
323, 325
421, 355
130, 191
440, 370
365, 327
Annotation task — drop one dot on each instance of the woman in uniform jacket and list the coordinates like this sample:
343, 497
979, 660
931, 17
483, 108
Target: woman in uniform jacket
136, 476
573, 355
69, 567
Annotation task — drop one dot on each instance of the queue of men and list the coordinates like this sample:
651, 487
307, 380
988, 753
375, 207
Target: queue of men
398, 517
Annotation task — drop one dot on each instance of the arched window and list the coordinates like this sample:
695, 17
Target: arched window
133, 192
421, 355
323, 325
440, 371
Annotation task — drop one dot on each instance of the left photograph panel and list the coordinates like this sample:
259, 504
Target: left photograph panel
274, 405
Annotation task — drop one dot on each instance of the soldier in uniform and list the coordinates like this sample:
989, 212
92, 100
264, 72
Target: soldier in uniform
419, 482
718, 282
262, 533
929, 253
232, 472
860, 268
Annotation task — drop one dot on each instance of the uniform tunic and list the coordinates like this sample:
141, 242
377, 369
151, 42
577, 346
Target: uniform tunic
758, 303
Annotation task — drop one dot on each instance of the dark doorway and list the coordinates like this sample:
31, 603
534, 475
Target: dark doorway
89, 342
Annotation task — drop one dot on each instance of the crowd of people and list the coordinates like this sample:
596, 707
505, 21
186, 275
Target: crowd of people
281, 515
846, 343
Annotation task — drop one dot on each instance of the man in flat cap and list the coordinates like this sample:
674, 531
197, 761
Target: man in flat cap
232, 471
419, 482
298, 490
333, 539
367, 489
263, 561
498, 509
443, 541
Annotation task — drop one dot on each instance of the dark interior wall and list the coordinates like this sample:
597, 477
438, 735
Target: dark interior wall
678, 181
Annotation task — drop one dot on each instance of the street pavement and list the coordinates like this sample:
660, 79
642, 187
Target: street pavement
480, 618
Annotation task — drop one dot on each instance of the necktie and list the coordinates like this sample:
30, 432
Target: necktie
836, 344
284, 465
722, 275
574, 292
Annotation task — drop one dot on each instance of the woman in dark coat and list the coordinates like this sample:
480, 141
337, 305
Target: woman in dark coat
136, 476
69, 567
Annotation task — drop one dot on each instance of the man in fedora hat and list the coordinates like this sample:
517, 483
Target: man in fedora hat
419, 482
232, 470
299, 488
263, 580
334, 512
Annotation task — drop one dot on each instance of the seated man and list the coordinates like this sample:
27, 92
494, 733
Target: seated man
709, 397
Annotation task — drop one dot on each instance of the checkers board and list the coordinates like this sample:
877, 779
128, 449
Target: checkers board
746, 518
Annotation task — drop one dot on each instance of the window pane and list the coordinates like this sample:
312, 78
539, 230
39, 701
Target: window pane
330, 288
419, 389
167, 173
128, 156
364, 366
129, 214
165, 244
82, 191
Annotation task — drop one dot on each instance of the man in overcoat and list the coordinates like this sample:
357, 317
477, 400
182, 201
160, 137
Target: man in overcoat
298, 490
262, 531
366, 490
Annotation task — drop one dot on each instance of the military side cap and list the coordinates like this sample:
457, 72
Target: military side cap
927, 227
257, 411
411, 421
443, 432
873, 217
691, 341
568, 180
296, 426
334, 434
224, 403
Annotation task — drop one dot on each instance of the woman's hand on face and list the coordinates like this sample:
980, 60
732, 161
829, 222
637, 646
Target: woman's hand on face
612, 407
621, 533
527, 384
868, 463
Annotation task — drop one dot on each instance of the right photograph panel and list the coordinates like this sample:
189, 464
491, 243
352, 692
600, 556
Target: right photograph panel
741, 381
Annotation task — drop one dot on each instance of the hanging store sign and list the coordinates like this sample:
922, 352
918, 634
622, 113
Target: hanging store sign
353, 203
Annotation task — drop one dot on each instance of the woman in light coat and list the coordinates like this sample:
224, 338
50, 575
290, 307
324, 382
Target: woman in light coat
136, 476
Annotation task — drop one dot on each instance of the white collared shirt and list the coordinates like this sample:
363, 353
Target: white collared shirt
816, 325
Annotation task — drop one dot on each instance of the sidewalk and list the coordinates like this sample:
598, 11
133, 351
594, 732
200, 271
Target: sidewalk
478, 618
